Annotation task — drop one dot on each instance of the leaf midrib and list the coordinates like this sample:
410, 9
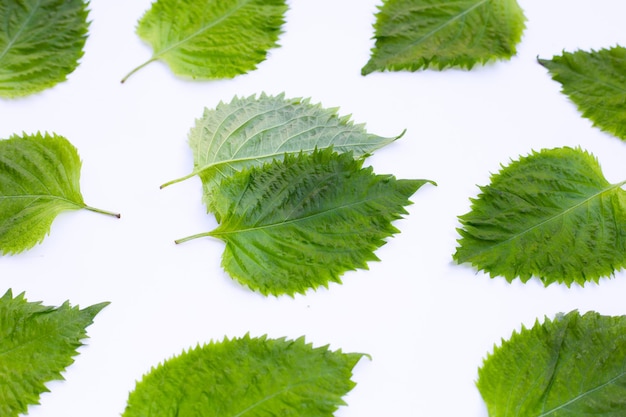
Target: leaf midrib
200, 31
549, 219
21, 29
42, 196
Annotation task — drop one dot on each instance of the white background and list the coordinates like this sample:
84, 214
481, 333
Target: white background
426, 322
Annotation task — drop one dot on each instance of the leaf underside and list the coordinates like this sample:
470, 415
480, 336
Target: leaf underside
37, 343
39, 178
252, 131
419, 34
212, 39
246, 376
551, 215
570, 367
41, 42
596, 83
300, 223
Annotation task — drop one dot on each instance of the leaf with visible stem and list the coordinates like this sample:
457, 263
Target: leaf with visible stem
246, 377
41, 42
39, 178
570, 366
551, 215
299, 223
37, 343
252, 131
211, 39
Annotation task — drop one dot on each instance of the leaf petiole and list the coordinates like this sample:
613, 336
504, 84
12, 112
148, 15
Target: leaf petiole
97, 210
181, 179
192, 237
137, 69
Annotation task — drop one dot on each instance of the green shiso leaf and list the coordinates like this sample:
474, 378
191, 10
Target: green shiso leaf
39, 178
551, 215
252, 131
37, 343
41, 42
419, 34
299, 223
596, 83
246, 376
571, 366
211, 39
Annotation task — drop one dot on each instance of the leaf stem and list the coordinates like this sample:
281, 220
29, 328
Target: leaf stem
108, 213
192, 237
137, 69
181, 179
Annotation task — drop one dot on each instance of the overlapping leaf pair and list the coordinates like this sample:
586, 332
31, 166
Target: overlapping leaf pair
285, 180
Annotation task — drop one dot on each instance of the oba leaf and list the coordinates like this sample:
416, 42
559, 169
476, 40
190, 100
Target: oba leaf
300, 223
37, 343
246, 376
252, 131
415, 34
210, 39
596, 82
552, 215
570, 367
41, 42
39, 178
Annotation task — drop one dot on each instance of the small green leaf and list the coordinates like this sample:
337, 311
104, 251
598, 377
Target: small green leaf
552, 215
41, 42
300, 223
39, 178
37, 343
570, 367
416, 34
596, 82
246, 377
211, 39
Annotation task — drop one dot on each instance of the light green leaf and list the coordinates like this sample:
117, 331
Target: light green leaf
596, 82
211, 39
39, 178
552, 215
252, 131
37, 343
419, 34
41, 42
300, 223
246, 376
572, 366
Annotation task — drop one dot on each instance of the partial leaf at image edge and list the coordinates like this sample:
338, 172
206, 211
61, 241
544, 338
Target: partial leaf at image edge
300, 223
570, 366
247, 376
595, 82
551, 215
37, 344
252, 131
39, 178
420, 34
211, 39
40, 43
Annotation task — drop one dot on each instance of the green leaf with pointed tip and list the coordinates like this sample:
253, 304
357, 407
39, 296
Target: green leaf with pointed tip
246, 376
418, 34
552, 215
39, 178
211, 39
252, 131
596, 82
571, 366
300, 223
41, 42
37, 343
